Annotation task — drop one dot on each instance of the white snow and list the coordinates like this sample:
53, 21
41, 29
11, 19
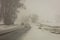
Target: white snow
37, 34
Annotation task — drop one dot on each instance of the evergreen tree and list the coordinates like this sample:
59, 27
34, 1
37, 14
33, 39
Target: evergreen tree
9, 10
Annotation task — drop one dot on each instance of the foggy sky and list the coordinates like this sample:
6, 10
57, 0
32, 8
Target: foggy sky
47, 10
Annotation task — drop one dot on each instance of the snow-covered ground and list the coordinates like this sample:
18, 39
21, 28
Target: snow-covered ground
37, 34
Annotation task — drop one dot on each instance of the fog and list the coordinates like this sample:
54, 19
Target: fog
47, 10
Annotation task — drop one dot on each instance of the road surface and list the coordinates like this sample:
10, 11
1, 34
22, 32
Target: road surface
33, 34
37, 34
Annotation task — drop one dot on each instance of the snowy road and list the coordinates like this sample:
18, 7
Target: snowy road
33, 34
37, 34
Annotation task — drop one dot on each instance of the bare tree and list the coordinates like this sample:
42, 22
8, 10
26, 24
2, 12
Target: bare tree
9, 10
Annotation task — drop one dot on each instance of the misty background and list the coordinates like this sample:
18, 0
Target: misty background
46, 10
32, 12
40, 11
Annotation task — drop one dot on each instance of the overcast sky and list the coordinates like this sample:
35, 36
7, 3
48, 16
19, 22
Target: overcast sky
48, 10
